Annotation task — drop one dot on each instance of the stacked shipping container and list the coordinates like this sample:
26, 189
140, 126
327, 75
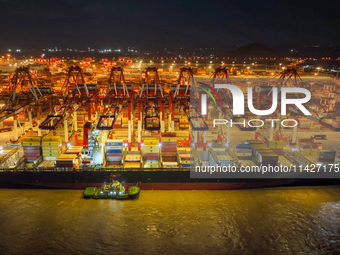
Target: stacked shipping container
151, 153
243, 151
261, 154
169, 150
32, 148
113, 152
69, 161
51, 147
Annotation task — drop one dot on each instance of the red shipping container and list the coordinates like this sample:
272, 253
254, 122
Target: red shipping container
309, 145
244, 157
32, 157
323, 160
113, 154
278, 151
113, 163
31, 147
151, 158
169, 159
33, 154
186, 156
64, 165
37, 150
309, 140
168, 153
174, 149
169, 144
169, 134
150, 154
270, 162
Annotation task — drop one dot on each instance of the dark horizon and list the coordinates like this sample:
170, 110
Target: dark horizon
159, 25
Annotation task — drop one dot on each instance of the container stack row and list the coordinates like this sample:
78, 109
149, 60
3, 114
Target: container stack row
185, 156
243, 151
70, 161
151, 153
132, 159
225, 160
169, 150
51, 147
32, 148
326, 157
73, 149
309, 149
114, 152
262, 154
276, 146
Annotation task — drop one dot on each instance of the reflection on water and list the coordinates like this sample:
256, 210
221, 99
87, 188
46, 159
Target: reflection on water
267, 221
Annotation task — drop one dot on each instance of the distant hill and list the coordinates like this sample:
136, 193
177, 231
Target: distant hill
254, 50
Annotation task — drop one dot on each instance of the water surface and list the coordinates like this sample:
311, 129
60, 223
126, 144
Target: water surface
264, 221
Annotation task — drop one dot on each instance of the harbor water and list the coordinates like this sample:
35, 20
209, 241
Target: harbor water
302, 220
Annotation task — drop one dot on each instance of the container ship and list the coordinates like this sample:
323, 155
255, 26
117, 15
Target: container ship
142, 127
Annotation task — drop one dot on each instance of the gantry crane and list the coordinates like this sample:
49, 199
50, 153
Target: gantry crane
186, 94
151, 97
290, 78
117, 93
180, 93
183, 83
221, 74
24, 93
75, 93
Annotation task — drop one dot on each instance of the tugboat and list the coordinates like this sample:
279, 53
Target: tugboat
115, 190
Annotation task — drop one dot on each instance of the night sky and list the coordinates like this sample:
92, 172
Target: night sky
82, 23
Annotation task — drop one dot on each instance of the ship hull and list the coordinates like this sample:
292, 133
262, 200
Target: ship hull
146, 180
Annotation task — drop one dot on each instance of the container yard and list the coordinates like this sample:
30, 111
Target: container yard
86, 119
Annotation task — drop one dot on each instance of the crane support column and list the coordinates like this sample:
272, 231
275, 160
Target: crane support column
228, 135
139, 123
129, 125
271, 133
294, 134
66, 131
195, 133
162, 118
30, 118
259, 101
271, 129
89, 111
96, 102
258, 127
173, 118
39, 113
220, 128
15, 127
205, 132
132, 117
170, 113
50, 104
75, 124
132, 123
23, 127
169, 122
277, 128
